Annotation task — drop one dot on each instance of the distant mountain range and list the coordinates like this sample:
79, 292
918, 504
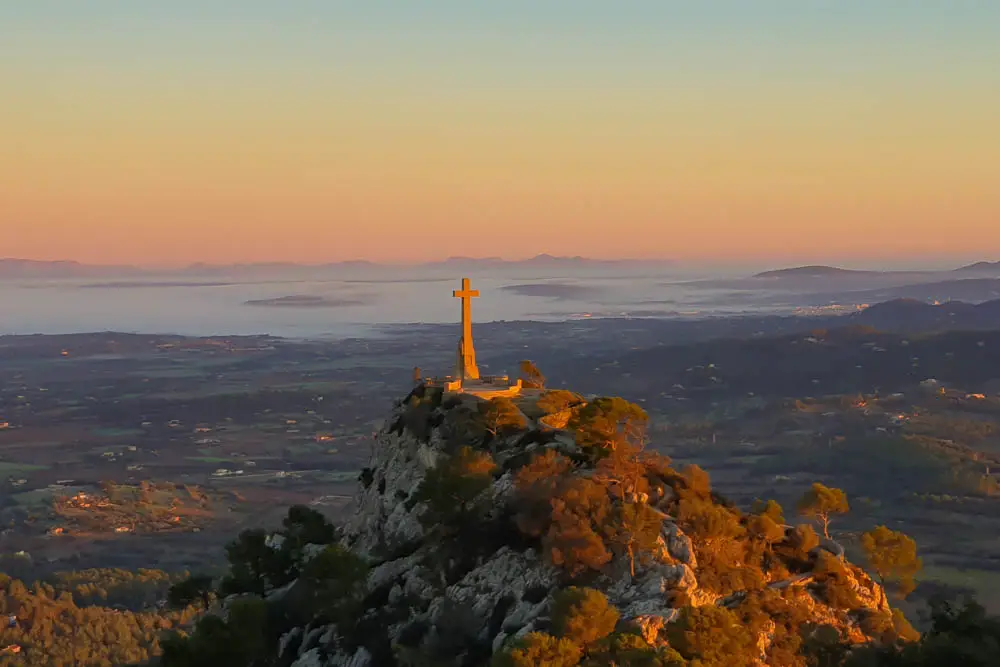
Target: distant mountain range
24, 268
544, 261
824, 271
203, 269
28, 268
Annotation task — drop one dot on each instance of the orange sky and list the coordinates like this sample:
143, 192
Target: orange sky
157, 161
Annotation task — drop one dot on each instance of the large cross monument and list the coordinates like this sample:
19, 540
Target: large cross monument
466, 368
466, 379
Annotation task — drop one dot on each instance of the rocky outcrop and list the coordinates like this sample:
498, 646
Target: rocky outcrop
432, 594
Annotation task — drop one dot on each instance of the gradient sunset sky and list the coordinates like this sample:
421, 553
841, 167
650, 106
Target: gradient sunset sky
181, 131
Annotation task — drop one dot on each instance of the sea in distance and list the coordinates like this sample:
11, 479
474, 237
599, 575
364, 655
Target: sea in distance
293, 306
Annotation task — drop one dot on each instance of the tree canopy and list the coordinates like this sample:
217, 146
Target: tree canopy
893, 557
557, 400
450, 487
531, 376
821, 502
582, 615
538, 649
500, 415
605, 422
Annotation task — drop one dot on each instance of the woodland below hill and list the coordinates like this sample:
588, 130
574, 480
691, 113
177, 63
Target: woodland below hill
96, 618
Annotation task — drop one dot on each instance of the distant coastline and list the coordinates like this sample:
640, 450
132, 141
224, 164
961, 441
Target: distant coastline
561, 291
304, 301
130, 284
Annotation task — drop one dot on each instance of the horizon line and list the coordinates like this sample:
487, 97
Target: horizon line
334, 262
934, 263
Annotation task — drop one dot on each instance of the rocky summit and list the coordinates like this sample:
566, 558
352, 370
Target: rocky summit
546, 530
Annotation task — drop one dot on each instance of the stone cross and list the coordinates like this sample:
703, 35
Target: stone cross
467, 369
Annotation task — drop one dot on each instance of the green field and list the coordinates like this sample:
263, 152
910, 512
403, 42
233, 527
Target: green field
304, 449
208, 459
985, 582
32, 498
116, 432
347, 476
11, 468
171, 373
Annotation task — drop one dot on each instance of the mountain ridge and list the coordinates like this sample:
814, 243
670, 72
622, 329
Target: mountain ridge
814, 271
12, 268
980, 267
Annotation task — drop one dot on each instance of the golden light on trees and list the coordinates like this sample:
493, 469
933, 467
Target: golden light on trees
820, 503
605, 422
501, 415
893, 557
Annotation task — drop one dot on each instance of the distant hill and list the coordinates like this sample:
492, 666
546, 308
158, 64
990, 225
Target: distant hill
992, 268
263, 268
970, 290
911, 315
822, 362
817, 271
823, 271
29, 268
543, 261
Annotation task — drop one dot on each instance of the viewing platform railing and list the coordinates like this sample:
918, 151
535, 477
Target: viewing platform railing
498, 380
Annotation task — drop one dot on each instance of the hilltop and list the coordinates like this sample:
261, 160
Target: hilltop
980, 267
545, 261
814, 271
541, 532
914, 315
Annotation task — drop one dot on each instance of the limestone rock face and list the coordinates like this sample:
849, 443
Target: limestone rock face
648, 594
872, 595
492, 601
678, 544
398, 464
360, 658
310, 658
431, 594
652, 627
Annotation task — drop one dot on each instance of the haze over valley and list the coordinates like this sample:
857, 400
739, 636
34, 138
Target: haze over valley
352, 299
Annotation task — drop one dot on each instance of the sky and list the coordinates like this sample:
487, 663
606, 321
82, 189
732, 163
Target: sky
708, 130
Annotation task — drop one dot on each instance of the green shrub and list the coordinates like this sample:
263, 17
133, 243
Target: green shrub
557, 400
583, 616
538, 649
712, 636
450, 488
834, 582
